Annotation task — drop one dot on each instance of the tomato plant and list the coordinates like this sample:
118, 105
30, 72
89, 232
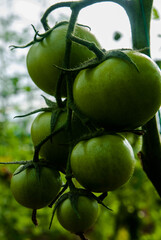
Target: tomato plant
34, 189
103, 163
116, 93
43, 55
112, 93
83, 219
56, 149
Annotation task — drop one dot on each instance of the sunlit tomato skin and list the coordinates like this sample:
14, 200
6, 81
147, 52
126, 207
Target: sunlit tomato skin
87, 210
35, 191
43, 55
56, 150
103, 163
116, 95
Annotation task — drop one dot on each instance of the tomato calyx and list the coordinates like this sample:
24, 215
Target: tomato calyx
118, 53
73, 195
38, 37
56, 111
37, 165
51, 107
101, 131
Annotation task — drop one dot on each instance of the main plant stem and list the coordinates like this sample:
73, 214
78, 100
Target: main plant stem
139, 12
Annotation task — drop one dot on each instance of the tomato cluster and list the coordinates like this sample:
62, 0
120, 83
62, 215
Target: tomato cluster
87, 135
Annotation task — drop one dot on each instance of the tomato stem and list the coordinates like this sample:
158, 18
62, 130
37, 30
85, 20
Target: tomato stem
59, 194
38, 147
17, 162
90, 45
139, 13
51, 9
34, 217
82, 237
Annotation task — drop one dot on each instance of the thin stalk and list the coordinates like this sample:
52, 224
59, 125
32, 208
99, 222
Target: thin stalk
70, 30
51, 9
38, 147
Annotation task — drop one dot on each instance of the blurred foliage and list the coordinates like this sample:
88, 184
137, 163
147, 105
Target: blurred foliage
117, 36
136, 206
155, 14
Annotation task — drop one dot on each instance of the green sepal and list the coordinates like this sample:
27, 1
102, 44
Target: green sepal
84, 192
120, 53
35, 111
73, 197
23, 167
51, 106
58, 202
64, 187
38, 37
49, 103
54, 117
36, 165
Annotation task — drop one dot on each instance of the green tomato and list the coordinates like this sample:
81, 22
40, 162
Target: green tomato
33, 190
103, 163
116, 95
87, 209
57, 149
43, 55
135, 141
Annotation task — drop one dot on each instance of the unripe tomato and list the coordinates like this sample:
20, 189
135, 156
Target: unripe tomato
103, 163
87, 209
43, 55
116, 95
57, 149
134, 140
33, 190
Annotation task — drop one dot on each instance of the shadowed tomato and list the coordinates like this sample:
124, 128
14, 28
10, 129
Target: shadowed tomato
87, 212
35, 190
103, 163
